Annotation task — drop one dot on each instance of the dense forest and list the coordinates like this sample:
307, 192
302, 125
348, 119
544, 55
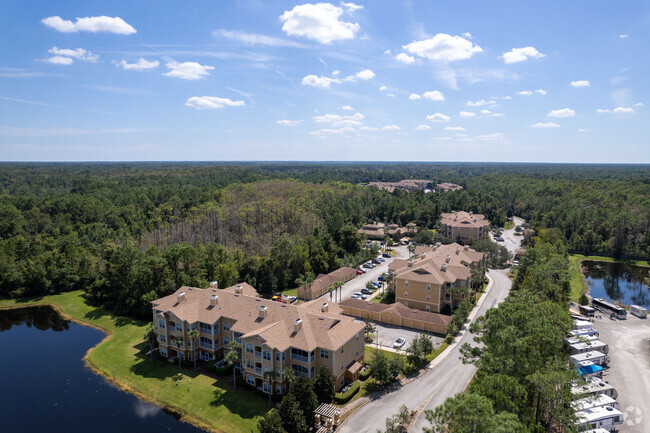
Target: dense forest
128, 233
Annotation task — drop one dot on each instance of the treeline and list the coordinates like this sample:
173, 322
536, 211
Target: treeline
523, 378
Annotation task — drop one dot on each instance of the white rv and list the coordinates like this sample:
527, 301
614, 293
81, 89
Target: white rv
583, 324
596, 430
579, 339
595, 386
588, 346
583, 332
599, 417
639, 311
599, 400
596, 357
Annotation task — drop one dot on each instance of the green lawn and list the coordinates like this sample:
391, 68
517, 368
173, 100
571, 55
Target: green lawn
509, 225
198, 398
290, 292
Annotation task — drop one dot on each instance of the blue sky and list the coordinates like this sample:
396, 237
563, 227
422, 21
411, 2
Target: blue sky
556, 81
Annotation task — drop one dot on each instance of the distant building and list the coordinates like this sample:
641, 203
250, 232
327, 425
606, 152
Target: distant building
446, 186
373, 231
323, 282
426, 281
376, 231
469, 226
407, 184
272, 336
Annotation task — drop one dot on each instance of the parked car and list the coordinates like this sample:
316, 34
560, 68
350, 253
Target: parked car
367, 265
292, 299
376, 285
399, 343
499, 239
376, 261
359, 295
360, 272
276, 297
380, 260
386, 255
366, 291
355, 297
380, 278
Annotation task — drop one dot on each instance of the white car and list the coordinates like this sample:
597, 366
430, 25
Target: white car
399, 343
359, 295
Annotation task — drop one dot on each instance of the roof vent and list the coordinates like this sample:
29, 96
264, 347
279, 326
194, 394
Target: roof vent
214, 299
443, 268
297, 324
262, 311
181, 296
457, 250
410, 263
448, 258
466, 247
324, 307
238, 289
214, 285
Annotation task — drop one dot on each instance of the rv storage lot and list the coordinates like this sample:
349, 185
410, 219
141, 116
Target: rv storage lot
629, 370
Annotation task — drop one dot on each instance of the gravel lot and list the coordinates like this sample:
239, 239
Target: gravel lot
629, 370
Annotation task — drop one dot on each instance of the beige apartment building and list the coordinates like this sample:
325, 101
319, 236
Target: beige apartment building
427, 280
466, 225
272, 335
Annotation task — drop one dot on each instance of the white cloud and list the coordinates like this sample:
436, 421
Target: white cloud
347, 108
443, 47
414, 97
392, 95
336, 72
545, 125
525, 93
486, 112
286, 122
422, 128
405, 58
351, 7
517, 55
313, 80
188, 70
467, 35
59, 60
338, 120
623, 36
438, 117
101, 24
541, 91
507, 98
319, 22
602, 111
467, 114
563, 112
390, 128
212, 102
583, 130
383, 88
367, 128
497, 115
77, 53
454, 128
388, 52
623, 110
433, 95
255, 39
366, 74
639, 104
480, 103
581, 83
329, 131
495, 137
141, 65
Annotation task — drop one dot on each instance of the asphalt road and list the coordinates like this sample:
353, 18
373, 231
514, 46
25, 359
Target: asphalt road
629, 369
510, 240
430, 390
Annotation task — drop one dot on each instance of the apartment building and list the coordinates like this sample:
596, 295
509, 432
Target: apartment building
272, 336
323, 282
435, 276
466, 225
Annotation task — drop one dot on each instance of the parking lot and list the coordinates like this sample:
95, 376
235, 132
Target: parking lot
387, 334
629, 369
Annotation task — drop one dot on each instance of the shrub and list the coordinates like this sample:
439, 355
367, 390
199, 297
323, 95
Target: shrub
344, 398
365, 374
187, 364
222, 371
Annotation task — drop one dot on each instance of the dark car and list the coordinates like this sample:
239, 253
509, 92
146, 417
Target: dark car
386, 255
366, 291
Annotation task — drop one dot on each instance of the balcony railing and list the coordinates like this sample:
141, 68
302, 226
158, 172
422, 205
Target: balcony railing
258, 354
258, 371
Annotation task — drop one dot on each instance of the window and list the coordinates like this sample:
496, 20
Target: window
249, 363
265, 370
161, 324
406, 304
267, 388
428, 286
299, 355
266, 355
162, 338
462, 283
205, 342
189, 356
237, 336
300, 370
250, 379
193, 326
205, 328
406, 283
406, 294
163, 352
357, 336
226, 326
311, 374
278, 373
342, 349
181, 355
216, 343
278, 389
447, 297
277, 356
226, 340
249, 348
428, 308
325, 354
206, 356
428, 298
179, 327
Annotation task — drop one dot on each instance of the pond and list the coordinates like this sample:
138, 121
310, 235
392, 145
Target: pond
620, 282
47, 388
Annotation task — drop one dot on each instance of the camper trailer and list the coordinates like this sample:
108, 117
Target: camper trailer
579, 339
599, 417
600, 400
586, 310
638, 311
583, 332
595, 386
596, 357
588, 346
582, 325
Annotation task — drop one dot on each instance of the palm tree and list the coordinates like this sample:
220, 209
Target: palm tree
270, 377
232, 358
177, 341
194, 337
289, 375
331, 290
151, 336
384, 281
337, 286
411, 249
306, 280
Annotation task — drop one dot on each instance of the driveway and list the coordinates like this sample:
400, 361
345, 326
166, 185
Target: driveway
387, 334
431, 389
510, 240
629, 369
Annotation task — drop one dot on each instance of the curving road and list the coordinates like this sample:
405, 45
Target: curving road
430, 390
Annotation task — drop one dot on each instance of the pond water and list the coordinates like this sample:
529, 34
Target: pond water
47, 388
621, 282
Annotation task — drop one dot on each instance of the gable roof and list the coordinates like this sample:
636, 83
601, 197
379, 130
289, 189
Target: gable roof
398, 309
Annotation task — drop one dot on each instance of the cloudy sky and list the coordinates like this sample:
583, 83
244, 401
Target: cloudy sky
563, 81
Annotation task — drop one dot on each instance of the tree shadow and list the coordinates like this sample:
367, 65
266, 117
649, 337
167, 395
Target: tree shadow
377, 391
245, 401
120, 321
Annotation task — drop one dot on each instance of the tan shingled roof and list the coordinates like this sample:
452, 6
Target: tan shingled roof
324, 281
463, 219
398, 309
429, 268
